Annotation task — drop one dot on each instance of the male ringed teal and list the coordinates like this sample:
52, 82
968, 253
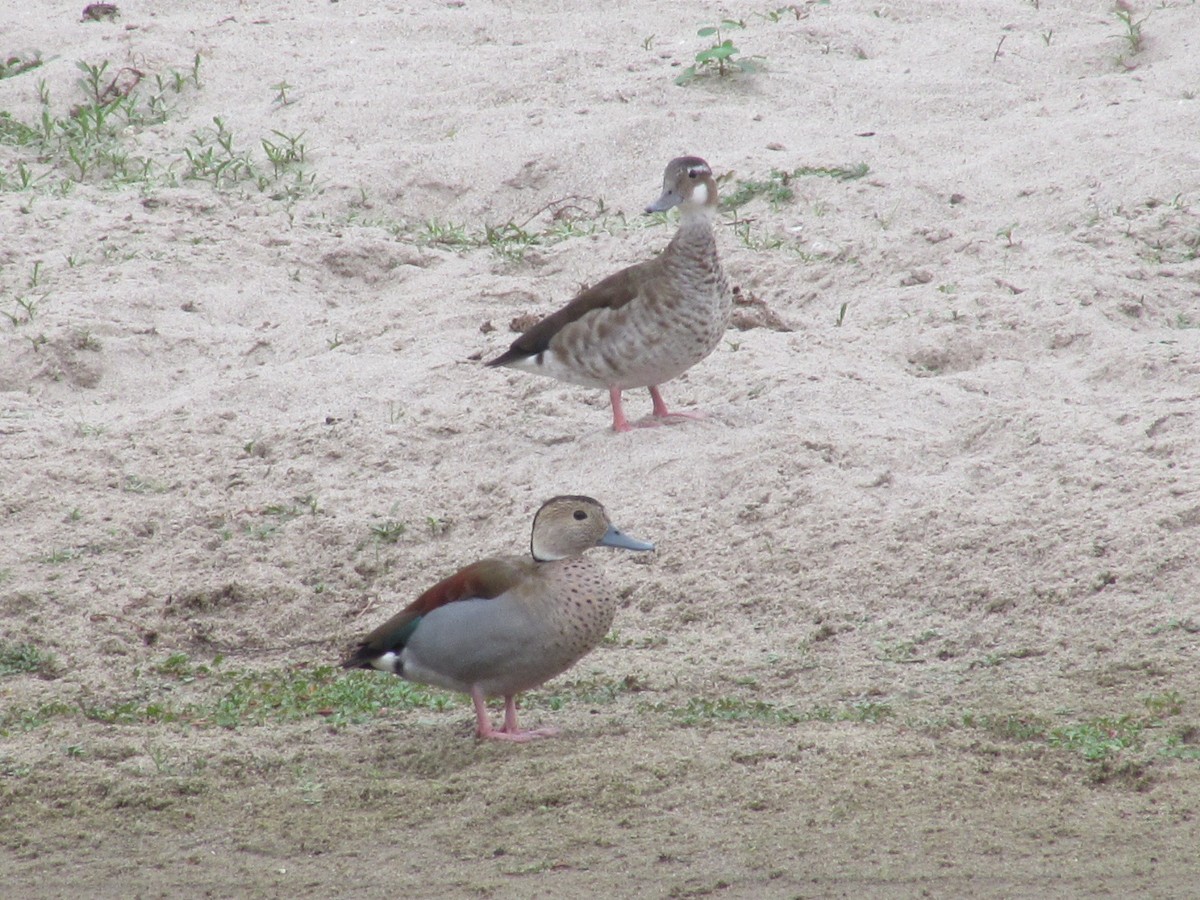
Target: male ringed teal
507, 624
649, 322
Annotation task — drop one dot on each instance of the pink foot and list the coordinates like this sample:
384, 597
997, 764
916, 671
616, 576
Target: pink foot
517, 737
510, 731
662, 414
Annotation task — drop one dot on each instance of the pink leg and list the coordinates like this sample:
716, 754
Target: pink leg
510, 714
661, 411
483, 722
660, 405
510, 723
620, 423
510, 731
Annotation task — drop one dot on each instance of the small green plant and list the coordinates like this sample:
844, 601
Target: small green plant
177, 665
777, 186
1009, 727
215, 159
279, 514
1168, 703
510, 240
135, 484
445, 234
1187, 625
388, 531
61, 555
9, 768
19, 63
1132, 34
281, 92
85, 340
92, 82
91, 141
777, 14
19, 659
285, 155
26, 312
1100, 738
751, 241
731, 709
721, 57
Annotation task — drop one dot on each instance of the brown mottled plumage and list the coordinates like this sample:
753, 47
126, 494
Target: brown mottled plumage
507, 624
648, 323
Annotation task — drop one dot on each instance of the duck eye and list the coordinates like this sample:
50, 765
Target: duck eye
692, 173
580, 515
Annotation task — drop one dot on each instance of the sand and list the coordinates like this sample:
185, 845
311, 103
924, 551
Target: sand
923, 615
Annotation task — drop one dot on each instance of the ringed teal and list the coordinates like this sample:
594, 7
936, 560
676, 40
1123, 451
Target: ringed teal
649, 322
507, 624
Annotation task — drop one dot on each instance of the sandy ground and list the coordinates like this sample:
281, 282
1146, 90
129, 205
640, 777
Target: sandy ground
924, 615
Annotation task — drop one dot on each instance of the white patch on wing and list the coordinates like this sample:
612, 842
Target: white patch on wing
700, 194
552, 367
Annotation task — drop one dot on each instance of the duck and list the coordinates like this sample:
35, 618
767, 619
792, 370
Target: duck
647, 323
507, 624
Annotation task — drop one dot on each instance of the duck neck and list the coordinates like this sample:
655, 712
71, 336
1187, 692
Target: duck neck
695, 234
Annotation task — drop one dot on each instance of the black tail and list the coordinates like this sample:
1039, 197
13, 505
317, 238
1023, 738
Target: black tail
362, 657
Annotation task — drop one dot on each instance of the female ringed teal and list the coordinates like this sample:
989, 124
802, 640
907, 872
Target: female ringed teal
507, 624
649, 322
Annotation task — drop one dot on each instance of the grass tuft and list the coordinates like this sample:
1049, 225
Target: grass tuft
21, 659
777, 186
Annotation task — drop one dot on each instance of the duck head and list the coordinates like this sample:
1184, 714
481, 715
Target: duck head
687, 183
566, 526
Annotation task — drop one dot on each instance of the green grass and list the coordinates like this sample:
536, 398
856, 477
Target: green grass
1105, 738
1100, 738
592, 691
237, 698
733, 709
276, 515
1186, 625
777, 188
20, 659
218, 159
341, 698
298, 506
90, 142
570, 217
93, 141
1114, 740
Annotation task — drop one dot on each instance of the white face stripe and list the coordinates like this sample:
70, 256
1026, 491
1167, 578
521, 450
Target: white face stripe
700, 193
